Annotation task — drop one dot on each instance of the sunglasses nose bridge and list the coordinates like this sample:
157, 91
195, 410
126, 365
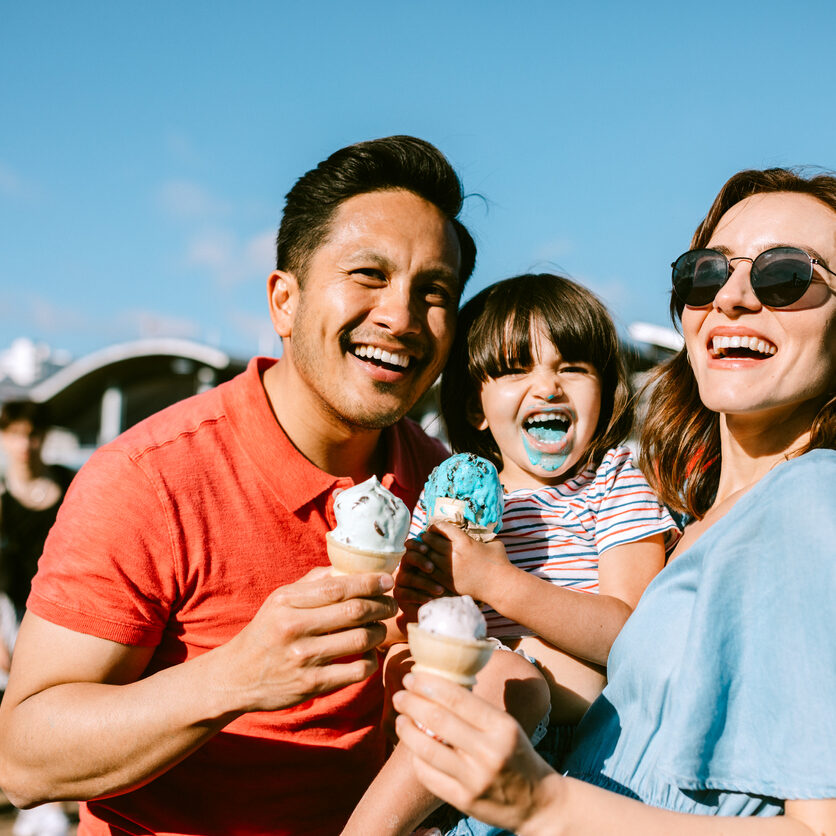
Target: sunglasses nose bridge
738, 291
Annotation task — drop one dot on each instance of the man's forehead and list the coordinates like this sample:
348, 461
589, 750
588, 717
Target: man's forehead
374, 225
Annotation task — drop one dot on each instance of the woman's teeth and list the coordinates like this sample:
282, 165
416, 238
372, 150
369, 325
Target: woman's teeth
723, 345
370, 352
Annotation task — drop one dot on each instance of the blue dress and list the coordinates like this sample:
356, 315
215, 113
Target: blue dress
722, 684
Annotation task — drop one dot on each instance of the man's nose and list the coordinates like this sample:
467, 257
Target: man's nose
395, 311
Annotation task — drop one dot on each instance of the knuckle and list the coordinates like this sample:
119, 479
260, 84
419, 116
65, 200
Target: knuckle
355, 610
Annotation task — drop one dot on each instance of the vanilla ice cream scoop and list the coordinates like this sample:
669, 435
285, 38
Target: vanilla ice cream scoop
449, 639
457, 617
371, 518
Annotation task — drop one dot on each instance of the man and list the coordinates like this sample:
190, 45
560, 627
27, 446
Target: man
197, 675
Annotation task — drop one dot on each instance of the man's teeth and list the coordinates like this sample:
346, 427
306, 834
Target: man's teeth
370, 352
722, 344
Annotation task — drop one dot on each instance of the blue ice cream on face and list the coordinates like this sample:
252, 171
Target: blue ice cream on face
472, 480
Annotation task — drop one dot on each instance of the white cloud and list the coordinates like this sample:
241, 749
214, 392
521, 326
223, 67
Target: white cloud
14, 186
185, 200
230, 260
140, 323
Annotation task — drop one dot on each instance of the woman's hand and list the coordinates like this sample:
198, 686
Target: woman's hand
486, 765
464, 565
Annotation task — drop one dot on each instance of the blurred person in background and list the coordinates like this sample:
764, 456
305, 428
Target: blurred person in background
30, 495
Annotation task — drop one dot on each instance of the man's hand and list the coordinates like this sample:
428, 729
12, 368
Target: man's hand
309, 637
463, 565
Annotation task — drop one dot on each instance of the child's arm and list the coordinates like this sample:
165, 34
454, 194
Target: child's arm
582, 624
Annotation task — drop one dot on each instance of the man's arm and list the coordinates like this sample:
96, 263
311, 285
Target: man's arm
77, 722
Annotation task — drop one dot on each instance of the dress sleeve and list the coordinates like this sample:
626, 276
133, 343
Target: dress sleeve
108, 568
627, 508
753, 705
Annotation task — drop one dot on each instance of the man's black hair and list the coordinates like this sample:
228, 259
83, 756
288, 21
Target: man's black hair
394, 162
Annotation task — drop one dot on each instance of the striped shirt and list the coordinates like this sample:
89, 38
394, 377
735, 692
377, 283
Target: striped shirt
559, 532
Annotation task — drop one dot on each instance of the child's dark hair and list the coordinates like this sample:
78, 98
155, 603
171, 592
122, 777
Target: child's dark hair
493, 335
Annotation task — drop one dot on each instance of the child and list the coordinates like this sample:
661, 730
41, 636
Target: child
535, 384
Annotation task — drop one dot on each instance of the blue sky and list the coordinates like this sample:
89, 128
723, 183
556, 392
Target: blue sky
145, 149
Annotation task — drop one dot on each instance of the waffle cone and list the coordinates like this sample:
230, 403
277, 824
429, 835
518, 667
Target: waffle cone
447, 509
346, 560
458, 660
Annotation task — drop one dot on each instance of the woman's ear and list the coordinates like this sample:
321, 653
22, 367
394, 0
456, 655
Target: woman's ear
282, 298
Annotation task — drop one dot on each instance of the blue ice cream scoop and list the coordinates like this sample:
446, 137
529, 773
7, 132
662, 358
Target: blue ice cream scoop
465, 489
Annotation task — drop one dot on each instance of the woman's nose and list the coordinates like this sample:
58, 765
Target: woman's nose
737, 292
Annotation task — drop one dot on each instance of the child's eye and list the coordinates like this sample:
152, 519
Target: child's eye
576, 369
511, 371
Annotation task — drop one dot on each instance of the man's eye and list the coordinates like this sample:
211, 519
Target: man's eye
438, 295
369, 272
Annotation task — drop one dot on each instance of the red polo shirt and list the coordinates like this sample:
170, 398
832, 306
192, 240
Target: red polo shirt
172, 536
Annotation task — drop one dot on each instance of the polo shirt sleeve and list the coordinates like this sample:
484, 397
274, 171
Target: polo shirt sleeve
107, 567
627, 509
753, 705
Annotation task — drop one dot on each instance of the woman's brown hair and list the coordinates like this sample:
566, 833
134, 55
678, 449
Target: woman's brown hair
494, 334
680, 443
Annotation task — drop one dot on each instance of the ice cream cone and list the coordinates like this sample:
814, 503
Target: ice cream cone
346, 560
458, 660
451, 510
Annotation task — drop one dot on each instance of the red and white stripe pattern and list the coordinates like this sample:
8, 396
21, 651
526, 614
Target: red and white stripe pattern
559, 532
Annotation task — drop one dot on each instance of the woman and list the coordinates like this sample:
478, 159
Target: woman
734, 714
30, 495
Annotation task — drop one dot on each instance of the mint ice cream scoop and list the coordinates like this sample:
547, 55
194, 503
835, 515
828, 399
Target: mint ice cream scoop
465, 489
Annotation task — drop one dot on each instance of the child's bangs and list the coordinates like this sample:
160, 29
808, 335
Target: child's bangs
500, 342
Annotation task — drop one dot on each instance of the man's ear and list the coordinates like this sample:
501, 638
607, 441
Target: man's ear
282, 298
475, 416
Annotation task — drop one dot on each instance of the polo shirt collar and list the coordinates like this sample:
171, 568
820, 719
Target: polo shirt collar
294, 479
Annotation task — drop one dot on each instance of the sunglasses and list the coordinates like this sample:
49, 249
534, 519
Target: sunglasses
779, 276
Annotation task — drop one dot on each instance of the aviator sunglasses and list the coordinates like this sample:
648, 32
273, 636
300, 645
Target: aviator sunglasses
779, 276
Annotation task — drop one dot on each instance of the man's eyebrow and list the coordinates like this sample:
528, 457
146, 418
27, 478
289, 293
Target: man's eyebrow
369, 255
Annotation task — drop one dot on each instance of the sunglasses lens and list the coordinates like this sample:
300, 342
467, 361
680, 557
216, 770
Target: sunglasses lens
698, 275
780, 276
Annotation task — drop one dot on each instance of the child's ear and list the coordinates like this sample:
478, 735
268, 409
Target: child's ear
475, 416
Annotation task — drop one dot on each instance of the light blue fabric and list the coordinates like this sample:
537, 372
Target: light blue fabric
722, 685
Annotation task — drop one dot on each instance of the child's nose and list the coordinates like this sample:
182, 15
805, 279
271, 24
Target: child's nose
548, 387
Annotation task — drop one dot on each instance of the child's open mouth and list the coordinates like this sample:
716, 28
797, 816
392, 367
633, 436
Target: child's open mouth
547, 430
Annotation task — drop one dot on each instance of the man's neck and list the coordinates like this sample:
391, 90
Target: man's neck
317, 433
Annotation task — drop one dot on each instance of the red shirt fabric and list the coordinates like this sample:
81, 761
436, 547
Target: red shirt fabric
172, 537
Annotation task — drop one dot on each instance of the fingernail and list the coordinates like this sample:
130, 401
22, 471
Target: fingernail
397, 698
386, 583
408, 680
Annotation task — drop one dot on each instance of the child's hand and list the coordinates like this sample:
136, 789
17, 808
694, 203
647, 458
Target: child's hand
464, 565
414, 581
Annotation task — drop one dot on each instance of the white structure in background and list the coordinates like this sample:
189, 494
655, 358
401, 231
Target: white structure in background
96, 397
26, 361
655, 335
